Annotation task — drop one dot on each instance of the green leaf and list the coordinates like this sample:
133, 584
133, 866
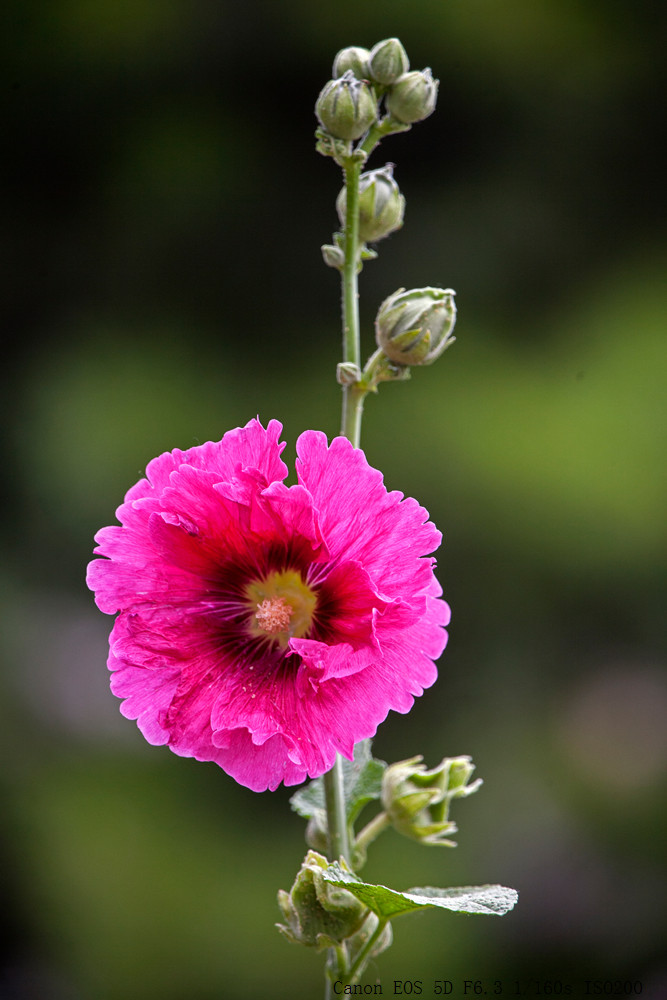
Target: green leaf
388, 903
309, 800
362, 779
362, 783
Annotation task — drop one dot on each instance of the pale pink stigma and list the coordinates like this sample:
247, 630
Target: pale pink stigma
273, 615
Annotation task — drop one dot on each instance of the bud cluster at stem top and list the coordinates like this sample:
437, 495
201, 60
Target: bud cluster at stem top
348, 105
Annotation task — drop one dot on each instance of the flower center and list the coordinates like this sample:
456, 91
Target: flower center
273, 615
282, 605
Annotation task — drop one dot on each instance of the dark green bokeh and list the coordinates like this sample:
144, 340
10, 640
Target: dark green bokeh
163, 210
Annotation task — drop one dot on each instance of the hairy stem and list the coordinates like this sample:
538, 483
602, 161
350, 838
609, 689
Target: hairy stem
351, 429
361, 960
371, 831
353, 396
339, 845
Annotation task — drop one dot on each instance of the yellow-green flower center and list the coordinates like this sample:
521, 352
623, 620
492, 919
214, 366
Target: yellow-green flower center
282, 606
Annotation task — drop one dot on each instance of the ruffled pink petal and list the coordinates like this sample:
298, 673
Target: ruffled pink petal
179, 485
265, 767
362, 521
146, 693
347, 602
206, 520
249, 447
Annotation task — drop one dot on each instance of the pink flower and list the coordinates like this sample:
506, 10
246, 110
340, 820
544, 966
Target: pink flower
262, 626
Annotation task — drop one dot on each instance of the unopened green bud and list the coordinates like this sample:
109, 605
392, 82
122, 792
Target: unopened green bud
381, 204
347, 373
412, 98
415, 327
318, 913
333, 256
346, 107
352, 58
417, 801
387, 61
316, 834
361, 938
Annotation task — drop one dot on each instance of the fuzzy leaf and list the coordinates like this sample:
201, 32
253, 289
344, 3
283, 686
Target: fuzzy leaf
388, 903
362, 783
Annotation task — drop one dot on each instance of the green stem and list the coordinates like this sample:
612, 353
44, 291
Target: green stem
353, 407
338, 971
350, 428
353, 398
339, 845
371, 831
377, 132
361, 960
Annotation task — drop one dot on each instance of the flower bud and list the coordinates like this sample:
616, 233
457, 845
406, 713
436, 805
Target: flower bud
318, 913
414, 328
412, 98
387, 61
417, 801
347, 373
381, 204
346, 107
333, 256
361, 938
352, 58
316, 833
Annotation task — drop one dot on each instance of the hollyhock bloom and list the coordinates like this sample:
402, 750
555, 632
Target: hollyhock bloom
263, 626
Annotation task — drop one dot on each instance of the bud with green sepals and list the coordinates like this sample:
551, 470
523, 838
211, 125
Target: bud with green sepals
417, 801
346, 107
352, 58
415, 327
381, 204
333, 256
387, 61
318, 914
412, 98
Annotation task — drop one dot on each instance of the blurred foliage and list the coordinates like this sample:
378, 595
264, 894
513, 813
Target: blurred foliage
163, 209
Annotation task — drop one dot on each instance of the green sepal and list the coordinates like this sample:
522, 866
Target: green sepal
328, 145
388, 903
380, 369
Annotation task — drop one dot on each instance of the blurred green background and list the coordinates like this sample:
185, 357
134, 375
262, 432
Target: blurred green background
163, 209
